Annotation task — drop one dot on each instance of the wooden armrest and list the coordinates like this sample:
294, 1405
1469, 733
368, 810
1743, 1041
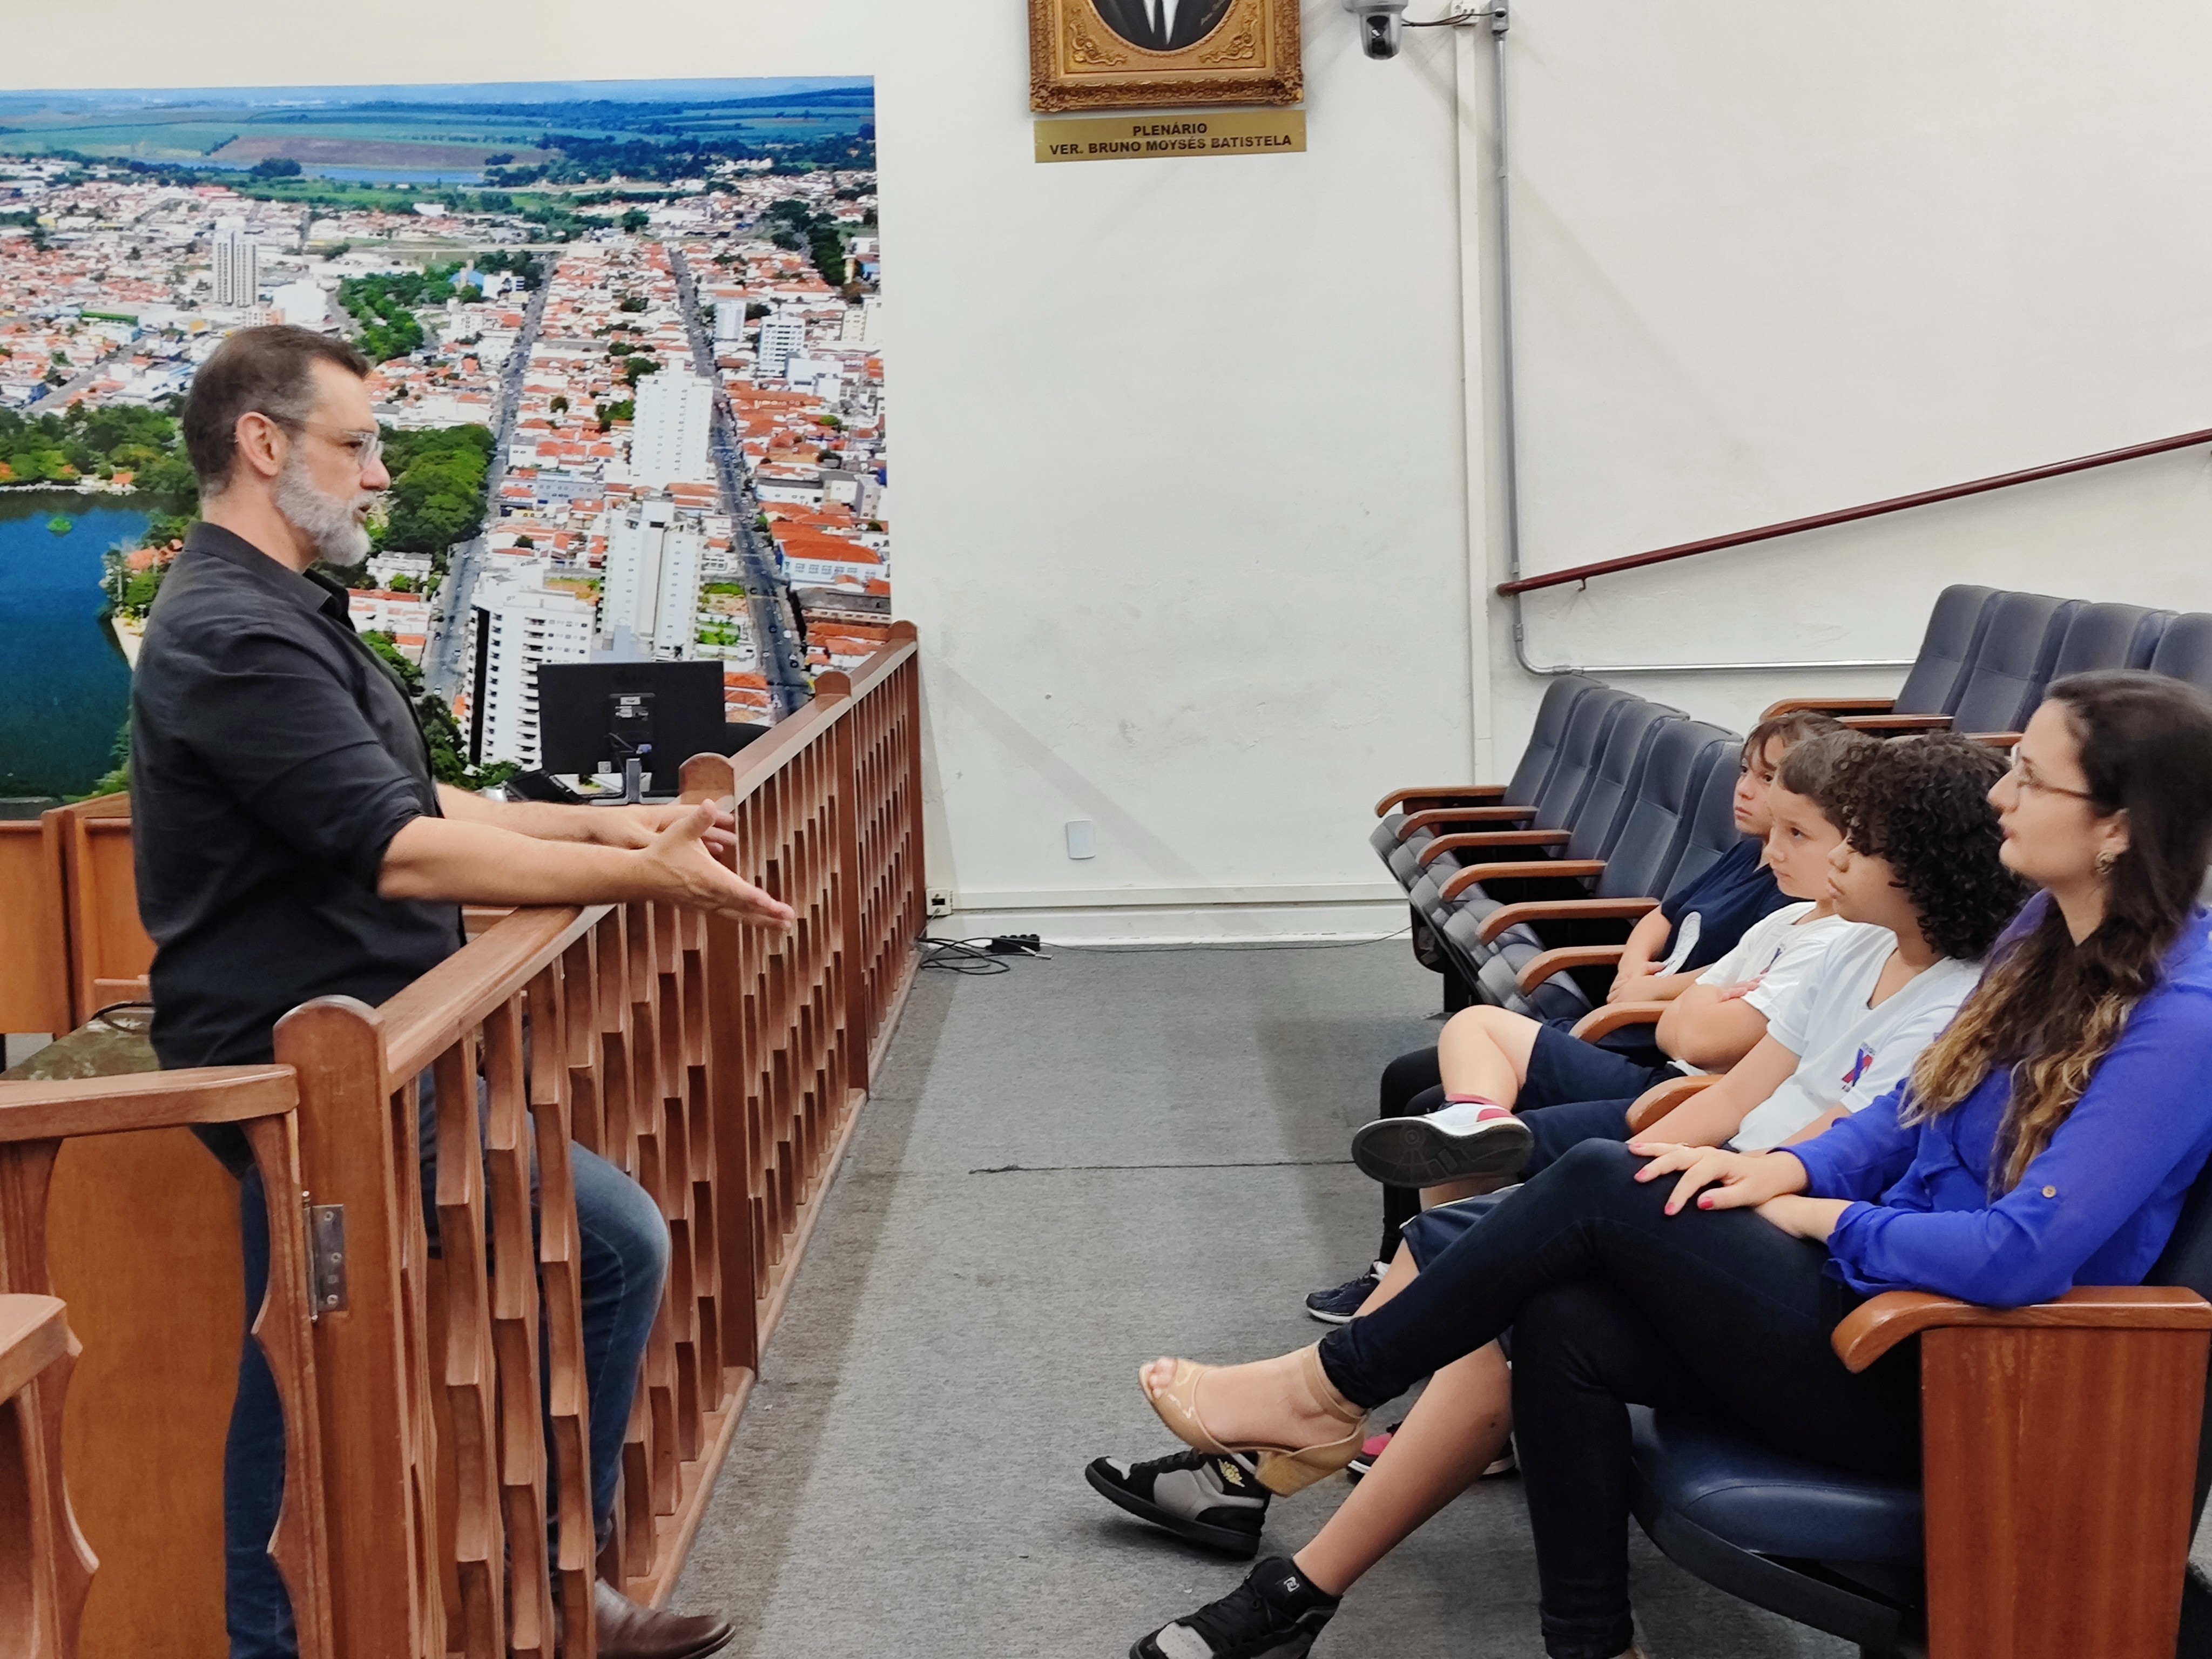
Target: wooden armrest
1664, 1097
1995, 739
1443, 792
1559, 868
145, 1100
1564, 909
1881, 723
1880, 1323
1616, 1017
107, 993
1442, 818
1444, 844
1829, 706
33, 1333
1545, 963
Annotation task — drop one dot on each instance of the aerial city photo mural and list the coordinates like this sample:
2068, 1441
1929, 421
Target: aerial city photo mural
629, 366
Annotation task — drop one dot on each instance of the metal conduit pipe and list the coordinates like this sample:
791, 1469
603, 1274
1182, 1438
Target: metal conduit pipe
1509, 437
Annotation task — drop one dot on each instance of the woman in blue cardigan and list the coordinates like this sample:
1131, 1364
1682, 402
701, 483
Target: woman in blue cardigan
2047, 1139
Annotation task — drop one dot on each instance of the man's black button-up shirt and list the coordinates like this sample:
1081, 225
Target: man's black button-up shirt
273, 757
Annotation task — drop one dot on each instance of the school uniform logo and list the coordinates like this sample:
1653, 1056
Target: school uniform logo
1865, 1058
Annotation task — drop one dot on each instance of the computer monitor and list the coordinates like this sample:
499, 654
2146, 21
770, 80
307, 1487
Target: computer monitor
591, 716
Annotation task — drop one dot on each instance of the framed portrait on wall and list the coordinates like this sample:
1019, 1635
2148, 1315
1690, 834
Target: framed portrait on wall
1150, 54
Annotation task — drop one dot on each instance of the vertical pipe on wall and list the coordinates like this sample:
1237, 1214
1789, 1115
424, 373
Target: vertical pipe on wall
1474, 394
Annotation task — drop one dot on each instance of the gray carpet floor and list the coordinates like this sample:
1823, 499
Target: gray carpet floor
1066, 1169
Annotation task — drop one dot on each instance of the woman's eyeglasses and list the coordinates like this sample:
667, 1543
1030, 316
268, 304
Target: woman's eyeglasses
2021, 778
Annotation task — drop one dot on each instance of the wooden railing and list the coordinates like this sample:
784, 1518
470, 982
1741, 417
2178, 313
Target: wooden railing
73, 944
42, 1570
721, 1068
44, 1236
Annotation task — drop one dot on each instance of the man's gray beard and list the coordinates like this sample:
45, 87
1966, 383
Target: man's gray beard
327, 520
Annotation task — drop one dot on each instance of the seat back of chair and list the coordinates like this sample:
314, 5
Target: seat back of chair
2187, 1260
2006, 680
1589, 725
2109, 636
1711, 831
1614, 780
2185, 650
1656, 825
1547, 738
1954, 633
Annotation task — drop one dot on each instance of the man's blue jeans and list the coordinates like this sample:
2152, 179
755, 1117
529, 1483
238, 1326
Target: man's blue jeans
624, 1264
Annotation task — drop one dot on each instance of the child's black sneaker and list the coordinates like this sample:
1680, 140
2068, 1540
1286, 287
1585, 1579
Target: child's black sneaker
1338, 1305
1273, 1615
1210, 1499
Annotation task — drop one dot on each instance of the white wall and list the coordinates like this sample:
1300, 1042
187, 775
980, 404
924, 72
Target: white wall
1181, 456
1184, 490
1770, 261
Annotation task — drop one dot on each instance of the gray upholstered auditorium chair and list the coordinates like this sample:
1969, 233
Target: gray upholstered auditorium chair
1954, 631
1554, 806
2097, 636
2185, 650
2005, 679
2065, 1469
1537, 761
1553, 959
1471, 875
1585, 838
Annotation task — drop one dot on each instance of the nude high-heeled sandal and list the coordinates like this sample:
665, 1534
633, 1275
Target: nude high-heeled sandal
1282, 1469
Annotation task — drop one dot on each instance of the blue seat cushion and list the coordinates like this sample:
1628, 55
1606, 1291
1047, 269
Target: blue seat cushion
1716, 1476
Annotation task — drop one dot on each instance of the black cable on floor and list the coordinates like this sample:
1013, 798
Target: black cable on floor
962, 956
989, 956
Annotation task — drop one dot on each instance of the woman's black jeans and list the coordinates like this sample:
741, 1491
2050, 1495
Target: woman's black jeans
1612, 1301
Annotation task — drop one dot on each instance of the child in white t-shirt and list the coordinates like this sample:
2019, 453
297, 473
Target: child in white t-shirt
1918, 871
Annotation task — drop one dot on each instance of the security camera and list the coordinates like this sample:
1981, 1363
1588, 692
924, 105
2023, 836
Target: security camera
1380, 24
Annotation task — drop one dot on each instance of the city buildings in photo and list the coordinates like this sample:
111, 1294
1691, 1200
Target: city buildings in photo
629, 346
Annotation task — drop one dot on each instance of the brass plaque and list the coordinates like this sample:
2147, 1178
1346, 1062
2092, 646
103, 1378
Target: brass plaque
1144, 137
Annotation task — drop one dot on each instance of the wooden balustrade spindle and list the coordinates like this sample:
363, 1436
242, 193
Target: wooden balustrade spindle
471, 1365
551, 1006
515, 1328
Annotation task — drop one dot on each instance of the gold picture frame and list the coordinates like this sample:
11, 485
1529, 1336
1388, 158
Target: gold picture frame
1111, 54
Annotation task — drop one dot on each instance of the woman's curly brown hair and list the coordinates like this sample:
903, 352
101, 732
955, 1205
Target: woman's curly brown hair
1921, 806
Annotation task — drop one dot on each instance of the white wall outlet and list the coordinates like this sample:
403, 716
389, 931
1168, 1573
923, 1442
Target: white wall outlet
941, 901
1082, 838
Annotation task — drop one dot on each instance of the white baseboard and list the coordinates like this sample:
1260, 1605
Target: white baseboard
1217, 915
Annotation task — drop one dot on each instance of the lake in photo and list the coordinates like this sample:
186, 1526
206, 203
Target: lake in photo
64, 687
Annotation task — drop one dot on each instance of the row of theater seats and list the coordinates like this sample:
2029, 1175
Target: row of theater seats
1521, 893
1619, 800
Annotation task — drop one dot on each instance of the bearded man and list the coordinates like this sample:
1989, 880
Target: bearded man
292, 843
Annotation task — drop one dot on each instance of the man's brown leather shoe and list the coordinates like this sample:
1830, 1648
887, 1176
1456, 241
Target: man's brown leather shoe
628, 1630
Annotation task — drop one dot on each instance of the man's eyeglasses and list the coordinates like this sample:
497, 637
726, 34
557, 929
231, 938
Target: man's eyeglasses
366, 448
2021, 778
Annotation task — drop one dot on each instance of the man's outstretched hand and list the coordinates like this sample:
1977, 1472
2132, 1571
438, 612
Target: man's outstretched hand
680, 856
637, 826
526, 853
